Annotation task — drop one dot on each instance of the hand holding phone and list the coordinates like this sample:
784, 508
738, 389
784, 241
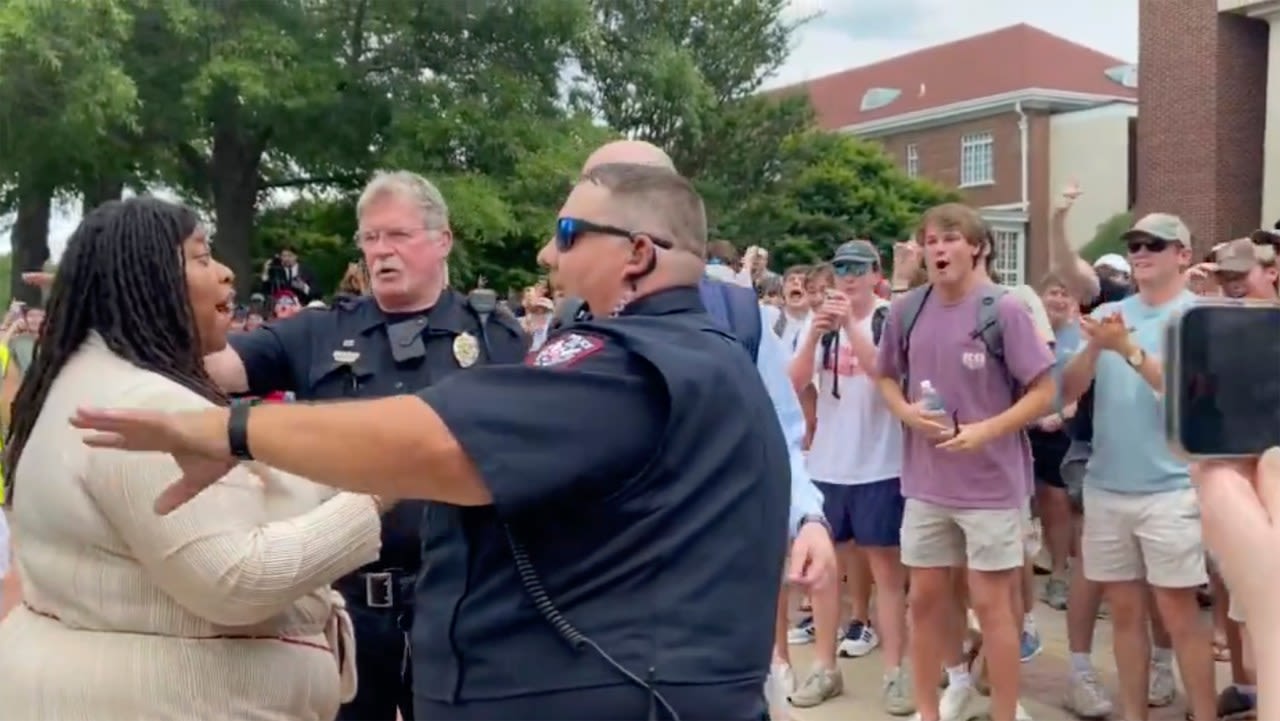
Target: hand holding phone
1222, 379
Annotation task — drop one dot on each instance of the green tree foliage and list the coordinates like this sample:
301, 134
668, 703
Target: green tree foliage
6, 264
1109, 237
321, 231
271, 114
62, 88
685, 75
245, 96
830, 188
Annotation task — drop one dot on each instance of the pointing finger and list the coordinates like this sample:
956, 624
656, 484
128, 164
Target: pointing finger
38, 279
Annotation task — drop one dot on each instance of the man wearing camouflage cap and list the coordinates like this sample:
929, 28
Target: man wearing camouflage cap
1246, 267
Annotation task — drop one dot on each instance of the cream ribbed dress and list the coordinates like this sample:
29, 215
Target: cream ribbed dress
219, 611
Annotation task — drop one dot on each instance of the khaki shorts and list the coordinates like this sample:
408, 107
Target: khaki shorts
1152, 537
983, 539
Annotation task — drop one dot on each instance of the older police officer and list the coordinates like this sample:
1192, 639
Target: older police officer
611, 519
410, 333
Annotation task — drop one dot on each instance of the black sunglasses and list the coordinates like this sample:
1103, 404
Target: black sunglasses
847, 268
1150, 242
568, 230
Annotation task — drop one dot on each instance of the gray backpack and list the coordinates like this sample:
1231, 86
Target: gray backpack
986, 327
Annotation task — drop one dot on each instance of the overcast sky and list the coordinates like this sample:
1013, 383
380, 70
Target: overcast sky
849, 33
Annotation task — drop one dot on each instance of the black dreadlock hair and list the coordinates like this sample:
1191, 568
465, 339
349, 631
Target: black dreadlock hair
122, 275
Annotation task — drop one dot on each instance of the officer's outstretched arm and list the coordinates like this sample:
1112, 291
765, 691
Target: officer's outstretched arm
583, 417
226, 368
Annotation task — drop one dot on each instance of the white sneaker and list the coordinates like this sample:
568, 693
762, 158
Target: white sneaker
780, 684
958, 703
781, 675
1162, 689
858, 641
1087, 698
1020, 713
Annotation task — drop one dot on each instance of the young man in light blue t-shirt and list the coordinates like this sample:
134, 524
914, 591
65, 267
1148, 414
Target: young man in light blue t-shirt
1141, 517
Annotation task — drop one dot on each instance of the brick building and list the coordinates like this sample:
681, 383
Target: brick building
1203, 94
986, 115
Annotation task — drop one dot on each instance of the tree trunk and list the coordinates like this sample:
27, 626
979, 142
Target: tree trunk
234, 179
99, 190
30, 238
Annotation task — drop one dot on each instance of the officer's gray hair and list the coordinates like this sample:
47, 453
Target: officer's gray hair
409, 186
664, 201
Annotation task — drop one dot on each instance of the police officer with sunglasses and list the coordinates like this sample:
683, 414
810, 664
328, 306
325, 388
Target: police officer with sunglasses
606, 522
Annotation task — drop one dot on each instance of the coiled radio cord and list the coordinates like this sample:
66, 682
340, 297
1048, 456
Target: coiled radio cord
532, 584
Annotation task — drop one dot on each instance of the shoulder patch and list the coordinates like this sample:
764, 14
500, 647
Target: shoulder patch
566, 350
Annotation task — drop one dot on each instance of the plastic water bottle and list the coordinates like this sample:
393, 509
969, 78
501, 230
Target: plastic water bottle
930, 397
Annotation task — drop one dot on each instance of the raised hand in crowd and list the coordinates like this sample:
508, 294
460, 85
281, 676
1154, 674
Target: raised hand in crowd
1202, 279
908, 258
1070, 193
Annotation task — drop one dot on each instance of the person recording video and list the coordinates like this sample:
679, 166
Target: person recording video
283, 272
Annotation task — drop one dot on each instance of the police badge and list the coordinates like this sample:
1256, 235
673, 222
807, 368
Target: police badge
466, 350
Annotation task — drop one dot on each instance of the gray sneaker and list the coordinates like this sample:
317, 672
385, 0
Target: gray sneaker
897, 696
1055, 594
820, 685
1161, 687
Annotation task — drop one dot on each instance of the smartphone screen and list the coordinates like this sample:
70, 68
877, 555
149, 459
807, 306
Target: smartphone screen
1227, 380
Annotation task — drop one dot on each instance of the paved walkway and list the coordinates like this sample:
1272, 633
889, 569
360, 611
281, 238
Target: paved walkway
1044, 679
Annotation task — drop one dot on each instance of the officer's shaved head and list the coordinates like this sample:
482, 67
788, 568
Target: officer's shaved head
631, 152
658, 200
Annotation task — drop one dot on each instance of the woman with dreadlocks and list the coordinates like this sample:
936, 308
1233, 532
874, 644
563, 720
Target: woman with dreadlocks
220, 611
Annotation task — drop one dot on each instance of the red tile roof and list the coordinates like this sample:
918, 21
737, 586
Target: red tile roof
1018, 57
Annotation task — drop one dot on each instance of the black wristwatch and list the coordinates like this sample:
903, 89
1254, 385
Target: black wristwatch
814, 518
238, 431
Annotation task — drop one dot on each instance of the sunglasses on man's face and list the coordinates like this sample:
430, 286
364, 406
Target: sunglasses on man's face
569, 230
856, 270
1151, 243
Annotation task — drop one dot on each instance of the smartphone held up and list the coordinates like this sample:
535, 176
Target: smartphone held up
1222, 379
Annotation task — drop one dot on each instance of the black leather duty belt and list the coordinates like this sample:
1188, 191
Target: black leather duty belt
390, 588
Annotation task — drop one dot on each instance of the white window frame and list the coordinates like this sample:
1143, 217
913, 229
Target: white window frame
913, 160
977, 159
1010, 266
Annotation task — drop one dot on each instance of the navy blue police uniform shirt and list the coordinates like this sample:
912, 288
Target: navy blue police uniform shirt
638, 464
345, 352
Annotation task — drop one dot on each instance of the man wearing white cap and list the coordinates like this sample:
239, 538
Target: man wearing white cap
1113, 265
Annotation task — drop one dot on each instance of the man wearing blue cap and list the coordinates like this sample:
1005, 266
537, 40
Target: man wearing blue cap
856, 460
